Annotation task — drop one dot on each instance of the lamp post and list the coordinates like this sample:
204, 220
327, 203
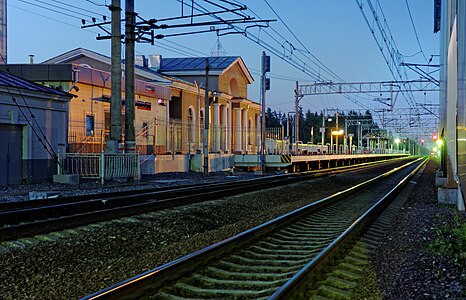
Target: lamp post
331, 137
337, 133
397, 141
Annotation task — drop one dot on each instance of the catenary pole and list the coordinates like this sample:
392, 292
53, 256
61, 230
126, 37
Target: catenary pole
263, 121
115, 102
129, 76
297, 117
206, 119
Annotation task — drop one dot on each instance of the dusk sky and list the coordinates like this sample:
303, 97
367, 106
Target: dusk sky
334, 31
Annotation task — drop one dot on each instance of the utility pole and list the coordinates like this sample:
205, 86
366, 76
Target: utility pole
114, 144
322, 130
206, 118
297, 117
336, 137
265, 85
130, 141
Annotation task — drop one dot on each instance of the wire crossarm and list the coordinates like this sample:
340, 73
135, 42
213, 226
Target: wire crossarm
326, 88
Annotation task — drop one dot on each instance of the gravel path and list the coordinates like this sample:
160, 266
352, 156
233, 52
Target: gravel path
21, 192
405, 267
95, 257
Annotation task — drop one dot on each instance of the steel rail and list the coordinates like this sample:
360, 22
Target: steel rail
296, 286
43, 219
155, 278
103, 196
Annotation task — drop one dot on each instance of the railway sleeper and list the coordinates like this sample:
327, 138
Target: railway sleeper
203, 281
189, 291
274, 262
290, 256
217, 272
256, 269
277, 245
259, 249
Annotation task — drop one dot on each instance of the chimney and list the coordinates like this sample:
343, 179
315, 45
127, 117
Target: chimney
155, 61
31, 59
140, 61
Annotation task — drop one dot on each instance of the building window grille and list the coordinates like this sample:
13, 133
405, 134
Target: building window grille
89, 125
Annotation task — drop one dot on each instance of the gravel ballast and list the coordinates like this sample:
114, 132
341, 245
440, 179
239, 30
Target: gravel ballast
405, 266
98, 256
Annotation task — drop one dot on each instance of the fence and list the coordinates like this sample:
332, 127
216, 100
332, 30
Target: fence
101, 166
173, 137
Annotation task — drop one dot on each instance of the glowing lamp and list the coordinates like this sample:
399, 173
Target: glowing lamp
160, 102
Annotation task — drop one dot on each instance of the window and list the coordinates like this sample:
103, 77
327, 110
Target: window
201, 120
250, 132
144, 129
191, 125
89, 125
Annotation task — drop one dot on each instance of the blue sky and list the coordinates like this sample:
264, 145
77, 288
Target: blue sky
334, 31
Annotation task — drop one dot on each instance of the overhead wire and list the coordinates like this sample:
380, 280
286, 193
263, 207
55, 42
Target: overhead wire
50, 9
415, 31
50, 18
312, 73
77, 7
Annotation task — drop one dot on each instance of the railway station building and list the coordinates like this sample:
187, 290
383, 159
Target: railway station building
169, 107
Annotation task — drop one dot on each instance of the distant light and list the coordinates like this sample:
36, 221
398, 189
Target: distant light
339, 132
435, 149
397, 141
439, 143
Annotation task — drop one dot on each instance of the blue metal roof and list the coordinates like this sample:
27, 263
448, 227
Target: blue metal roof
11, 81
196, 63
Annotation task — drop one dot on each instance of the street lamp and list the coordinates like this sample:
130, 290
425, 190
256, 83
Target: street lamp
335, 133
397, 141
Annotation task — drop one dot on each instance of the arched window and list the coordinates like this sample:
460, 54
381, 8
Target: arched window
201, 121
191, 126
250, 142
234, 89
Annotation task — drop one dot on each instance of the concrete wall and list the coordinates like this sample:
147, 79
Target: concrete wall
51, 119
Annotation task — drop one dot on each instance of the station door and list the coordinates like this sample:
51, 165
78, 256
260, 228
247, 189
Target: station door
10, 154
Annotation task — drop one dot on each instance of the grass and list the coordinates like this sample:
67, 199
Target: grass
450, 240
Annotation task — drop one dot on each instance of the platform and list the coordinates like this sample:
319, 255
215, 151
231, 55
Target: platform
308, 162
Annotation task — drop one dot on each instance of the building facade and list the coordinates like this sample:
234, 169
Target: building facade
450, 20
33, 122
170, 106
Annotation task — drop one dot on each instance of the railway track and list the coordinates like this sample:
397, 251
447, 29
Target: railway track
275, 258
22, 219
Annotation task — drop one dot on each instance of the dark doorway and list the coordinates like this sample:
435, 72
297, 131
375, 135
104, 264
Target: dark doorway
10, 154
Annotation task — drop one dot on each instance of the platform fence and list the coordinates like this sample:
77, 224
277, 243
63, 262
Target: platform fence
102, 166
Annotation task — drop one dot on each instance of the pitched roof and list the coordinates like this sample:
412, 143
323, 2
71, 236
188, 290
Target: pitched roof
71, 55
11, 81
196, 65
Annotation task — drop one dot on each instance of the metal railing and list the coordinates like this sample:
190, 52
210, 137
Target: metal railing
102, 166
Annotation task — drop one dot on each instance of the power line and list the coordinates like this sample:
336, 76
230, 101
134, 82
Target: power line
76, 7
97, 4
50, 9
50, 18
415, 31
